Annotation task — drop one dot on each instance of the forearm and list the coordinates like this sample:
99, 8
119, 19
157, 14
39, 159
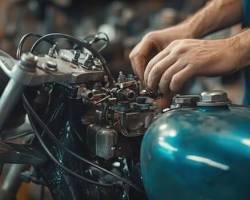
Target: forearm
216, 15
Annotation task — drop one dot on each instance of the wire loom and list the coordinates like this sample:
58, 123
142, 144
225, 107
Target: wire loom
32, 113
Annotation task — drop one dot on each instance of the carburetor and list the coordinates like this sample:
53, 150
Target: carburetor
121, 111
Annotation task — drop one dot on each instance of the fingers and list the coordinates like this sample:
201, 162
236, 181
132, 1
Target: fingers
174, 79
156, 59
167, 77
161, 62
154, 75
164, 101
169, 69
140, 56
179, 79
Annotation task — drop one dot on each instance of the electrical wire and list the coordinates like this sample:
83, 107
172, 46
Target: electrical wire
44, 126
52, 36
96, 38
66, 169
20, 135
105, 39
23, 40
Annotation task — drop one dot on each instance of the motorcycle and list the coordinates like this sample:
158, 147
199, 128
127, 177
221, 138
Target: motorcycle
90, 136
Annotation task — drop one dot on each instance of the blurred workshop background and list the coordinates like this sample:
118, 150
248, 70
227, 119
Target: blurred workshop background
125, 22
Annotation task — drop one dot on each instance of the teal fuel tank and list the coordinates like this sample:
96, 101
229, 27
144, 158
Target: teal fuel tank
198, 150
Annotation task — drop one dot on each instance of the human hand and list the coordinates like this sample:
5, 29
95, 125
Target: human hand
153, 43
183, 59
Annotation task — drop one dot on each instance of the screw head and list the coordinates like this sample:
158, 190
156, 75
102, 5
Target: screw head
29, 57
29, 61
51, 65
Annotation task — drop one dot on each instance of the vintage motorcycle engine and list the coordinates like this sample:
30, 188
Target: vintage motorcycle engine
92, 124
115, 118
87, 127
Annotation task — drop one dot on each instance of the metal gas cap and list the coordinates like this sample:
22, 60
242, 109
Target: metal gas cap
214, 98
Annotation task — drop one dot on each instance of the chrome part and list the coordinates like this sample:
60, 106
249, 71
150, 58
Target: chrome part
9, 98
28, 62
214, 98
51, 66
102, 141
185, 100
6, 62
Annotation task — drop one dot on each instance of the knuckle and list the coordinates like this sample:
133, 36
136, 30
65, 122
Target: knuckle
156, 70
151, 64
131, 55
150, 36
150, 83
163, 83
175, 82
192, 68
134, 52
154, 78
179, 50
175, 42
181, 43
163, 87
135, 55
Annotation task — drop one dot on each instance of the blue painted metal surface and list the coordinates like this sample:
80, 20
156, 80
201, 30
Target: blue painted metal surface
198, 154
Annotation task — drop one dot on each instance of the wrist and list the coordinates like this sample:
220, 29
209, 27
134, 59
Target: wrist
186, 31
194, 28
240, 49
190, 30
178, 32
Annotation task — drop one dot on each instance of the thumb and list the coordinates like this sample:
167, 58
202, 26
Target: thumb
140, 56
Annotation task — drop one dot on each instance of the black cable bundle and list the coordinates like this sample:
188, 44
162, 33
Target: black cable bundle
31, 112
